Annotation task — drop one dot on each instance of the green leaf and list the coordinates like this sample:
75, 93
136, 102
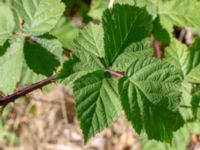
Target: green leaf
69, 80
180, 13
173, 12
7, 23
177, 55
187, 60
89, 46
195, 102
11, 66
134, 51
52, 45
129, 2
87, 62
97, 102
40, 60
160, 33
80, 64
97, 8
150, 97
186, 101
90, 39
193, 73
40, 15
51, 52
65, 31
124, 25
28, 76
151, 6
181, 139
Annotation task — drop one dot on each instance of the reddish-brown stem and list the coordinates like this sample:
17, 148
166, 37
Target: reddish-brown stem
158, 49
11, 98
117, 75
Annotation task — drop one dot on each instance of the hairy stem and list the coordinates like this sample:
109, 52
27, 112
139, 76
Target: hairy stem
11, 98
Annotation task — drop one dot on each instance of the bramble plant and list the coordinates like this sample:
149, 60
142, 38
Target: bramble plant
114, 67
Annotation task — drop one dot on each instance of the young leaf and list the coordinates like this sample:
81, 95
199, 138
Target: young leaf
124, 25
97, 102
40, 16
11, 66
150, 97
7, 23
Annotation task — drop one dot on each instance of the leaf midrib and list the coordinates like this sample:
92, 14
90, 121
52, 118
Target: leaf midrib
128, 33
138, 87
